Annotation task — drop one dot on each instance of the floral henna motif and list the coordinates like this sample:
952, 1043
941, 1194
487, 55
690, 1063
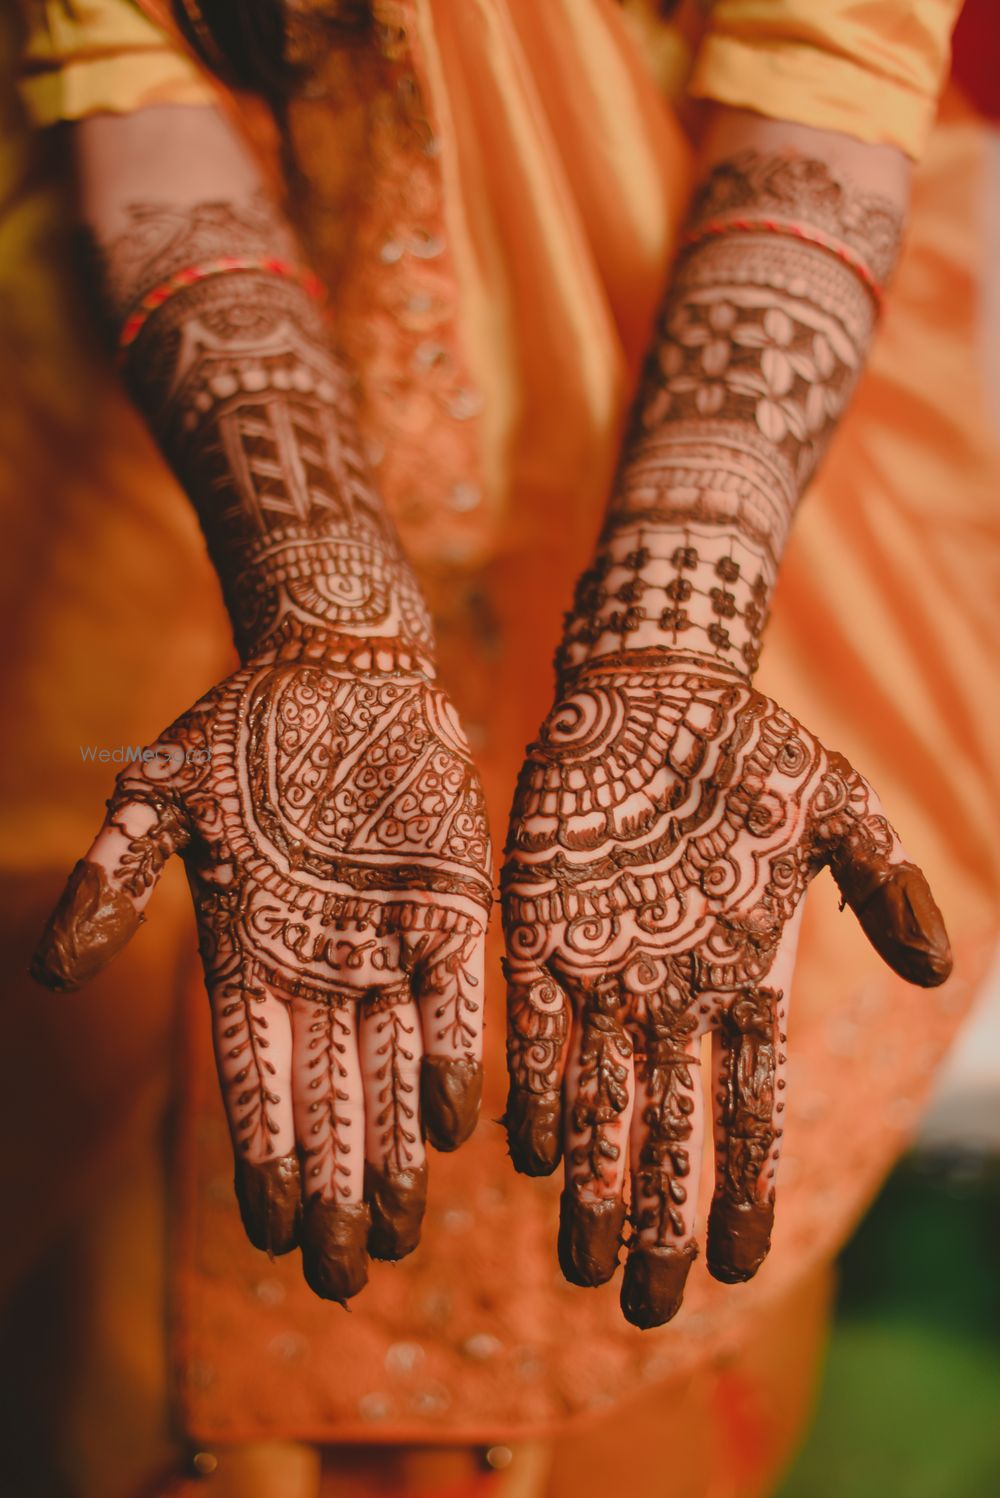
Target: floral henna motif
664, 830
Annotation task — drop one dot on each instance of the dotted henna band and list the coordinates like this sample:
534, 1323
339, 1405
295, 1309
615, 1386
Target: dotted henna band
192, 274
805, 232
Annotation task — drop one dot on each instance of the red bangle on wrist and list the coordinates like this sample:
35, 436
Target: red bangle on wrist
806, 232
191, 274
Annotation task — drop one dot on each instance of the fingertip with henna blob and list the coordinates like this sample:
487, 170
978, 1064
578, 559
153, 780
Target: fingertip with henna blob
91, 924
397, 1201
335, 1247
534, 1131
739, 1237
270, 1201
451, 1090
590, 1238
904, 925
653, 1283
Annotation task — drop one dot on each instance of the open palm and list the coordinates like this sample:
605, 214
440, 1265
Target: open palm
665, 827
334, 834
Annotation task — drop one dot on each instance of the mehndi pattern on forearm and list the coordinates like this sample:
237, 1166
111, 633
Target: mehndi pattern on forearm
236, 374
758, 348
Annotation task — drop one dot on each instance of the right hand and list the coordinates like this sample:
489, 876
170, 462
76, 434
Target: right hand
335, 838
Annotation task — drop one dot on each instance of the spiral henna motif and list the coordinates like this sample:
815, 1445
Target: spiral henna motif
664, 830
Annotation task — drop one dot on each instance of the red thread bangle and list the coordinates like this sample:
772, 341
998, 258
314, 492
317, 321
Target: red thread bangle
806, 232
192, 274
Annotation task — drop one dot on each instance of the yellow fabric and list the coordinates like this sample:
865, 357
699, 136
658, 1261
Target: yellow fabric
870, 68
86, 57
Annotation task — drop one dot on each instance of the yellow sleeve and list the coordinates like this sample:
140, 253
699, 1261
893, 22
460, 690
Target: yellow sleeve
870, 68
85, 57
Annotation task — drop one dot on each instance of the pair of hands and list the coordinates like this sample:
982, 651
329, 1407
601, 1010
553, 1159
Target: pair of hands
334, 832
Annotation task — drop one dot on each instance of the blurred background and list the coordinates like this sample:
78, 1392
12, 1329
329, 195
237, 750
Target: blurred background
909, 1402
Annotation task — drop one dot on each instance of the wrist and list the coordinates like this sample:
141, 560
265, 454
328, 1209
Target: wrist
667, 665
294, 640
701, 592
331, 592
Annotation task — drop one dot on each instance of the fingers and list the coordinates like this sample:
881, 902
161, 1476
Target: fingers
447, 979
101, 907
599, 1089
745, 1079
666, 1144
253, 1052
328, 1106
538, 1033
888, 894
396, 1165
750, 1053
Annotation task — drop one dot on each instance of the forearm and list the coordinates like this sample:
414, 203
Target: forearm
764, 331
233, 367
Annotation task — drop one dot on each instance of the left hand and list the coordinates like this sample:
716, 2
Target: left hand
664, 830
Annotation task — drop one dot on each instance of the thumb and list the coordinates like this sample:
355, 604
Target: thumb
102, 905
92, 922
891, 897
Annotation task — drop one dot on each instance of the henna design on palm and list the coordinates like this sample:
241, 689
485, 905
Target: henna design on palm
665, 827
335, 839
